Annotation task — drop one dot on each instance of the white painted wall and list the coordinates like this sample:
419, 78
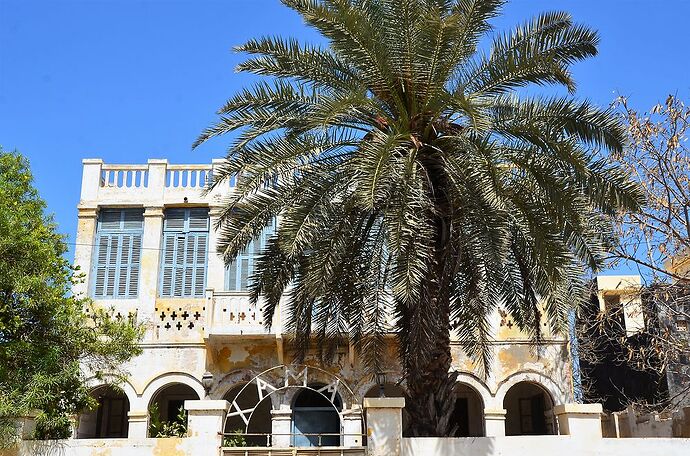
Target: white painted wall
543, 446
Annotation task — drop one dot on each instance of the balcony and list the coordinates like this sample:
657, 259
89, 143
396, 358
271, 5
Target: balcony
230, 315
156, 183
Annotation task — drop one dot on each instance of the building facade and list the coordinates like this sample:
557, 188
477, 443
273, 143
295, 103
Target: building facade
145, 244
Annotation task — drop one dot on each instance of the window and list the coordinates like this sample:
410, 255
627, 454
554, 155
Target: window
185, 249
118, 253
239, 272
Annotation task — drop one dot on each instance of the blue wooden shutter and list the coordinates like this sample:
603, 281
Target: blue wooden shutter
238, 273
118, 254
185, 252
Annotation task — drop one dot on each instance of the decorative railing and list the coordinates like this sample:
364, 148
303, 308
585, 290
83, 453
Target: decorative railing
156, 183
124, 176
188, 176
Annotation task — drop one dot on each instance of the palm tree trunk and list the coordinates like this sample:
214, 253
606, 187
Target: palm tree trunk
430, 384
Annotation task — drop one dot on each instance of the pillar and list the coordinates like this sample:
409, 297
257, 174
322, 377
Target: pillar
352, 427
281, 423
90, 179
495, 422
579, 420
205, 418
138, 424
83, 249
384, 425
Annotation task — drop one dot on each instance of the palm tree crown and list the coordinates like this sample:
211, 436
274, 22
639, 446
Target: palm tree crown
414, 180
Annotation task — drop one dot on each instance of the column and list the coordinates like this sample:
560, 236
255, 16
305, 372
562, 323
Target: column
579, 420
384, 425
90, 180
150, 265
205, 421
86, 236
352, 426
281, 424
138, 424
216, 264
495, 422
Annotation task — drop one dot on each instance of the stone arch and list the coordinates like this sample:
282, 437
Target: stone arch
230, 381
94, 383
478, 385
529, 398
365, 387
167, 379
550, 386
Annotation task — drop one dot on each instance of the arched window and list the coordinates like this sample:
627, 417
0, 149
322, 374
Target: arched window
528, 410
315, 419
260, 420
108, 419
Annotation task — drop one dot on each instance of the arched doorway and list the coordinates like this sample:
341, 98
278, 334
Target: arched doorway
528, 410
315, 419
109, 418
259, 421
468, 415
167, 405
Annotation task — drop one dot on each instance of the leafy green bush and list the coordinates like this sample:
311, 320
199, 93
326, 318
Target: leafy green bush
236, 439
159, 428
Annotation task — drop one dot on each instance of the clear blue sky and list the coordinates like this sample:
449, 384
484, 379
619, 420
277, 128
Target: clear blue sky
128, 80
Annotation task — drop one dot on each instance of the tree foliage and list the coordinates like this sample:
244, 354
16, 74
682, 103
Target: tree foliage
659, 158
416, 183
47, 341
656, 242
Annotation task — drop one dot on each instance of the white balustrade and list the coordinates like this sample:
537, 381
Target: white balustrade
188, 176
124, 176
230, 313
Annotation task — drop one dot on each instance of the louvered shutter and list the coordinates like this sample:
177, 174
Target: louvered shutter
118, 253
199, 281
101, 271
185, 253
238, 273
168, 264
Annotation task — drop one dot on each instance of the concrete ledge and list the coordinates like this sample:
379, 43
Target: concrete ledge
495, 414
201, 405
384, 402
578, 409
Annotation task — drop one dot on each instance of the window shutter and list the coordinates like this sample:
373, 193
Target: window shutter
168, 262
134, 266
185, 251
238, 273
200, 264
118, 253
101, 271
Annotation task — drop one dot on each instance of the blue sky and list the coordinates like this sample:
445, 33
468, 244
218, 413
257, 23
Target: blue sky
128, 80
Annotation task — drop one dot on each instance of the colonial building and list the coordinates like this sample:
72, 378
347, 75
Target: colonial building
146, 242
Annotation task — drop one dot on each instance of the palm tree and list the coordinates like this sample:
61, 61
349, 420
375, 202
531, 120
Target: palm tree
416, 180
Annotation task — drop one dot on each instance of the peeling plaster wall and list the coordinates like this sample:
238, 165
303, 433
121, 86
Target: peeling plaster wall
181, 343
115, 447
